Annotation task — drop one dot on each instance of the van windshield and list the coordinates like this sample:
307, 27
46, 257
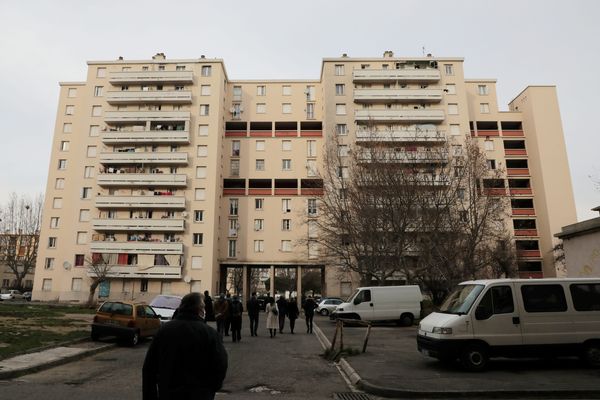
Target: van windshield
461, 299
349, 299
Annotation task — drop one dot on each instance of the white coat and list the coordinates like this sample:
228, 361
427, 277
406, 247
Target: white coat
272, 319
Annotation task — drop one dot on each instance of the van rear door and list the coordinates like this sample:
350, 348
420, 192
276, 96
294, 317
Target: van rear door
496, 318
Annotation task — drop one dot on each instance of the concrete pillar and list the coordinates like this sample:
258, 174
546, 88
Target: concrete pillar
299, 286
223, 279
272, 278
323, 282
245, 286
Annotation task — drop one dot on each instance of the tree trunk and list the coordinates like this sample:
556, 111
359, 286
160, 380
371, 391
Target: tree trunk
91, 303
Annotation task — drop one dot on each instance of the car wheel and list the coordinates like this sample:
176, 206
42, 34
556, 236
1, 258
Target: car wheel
406, 320
474, 357
324, 312
135, 339
591, 354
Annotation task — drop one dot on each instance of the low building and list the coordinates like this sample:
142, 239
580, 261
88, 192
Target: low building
581, 246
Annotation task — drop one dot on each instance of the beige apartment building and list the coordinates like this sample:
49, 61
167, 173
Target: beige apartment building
185, 180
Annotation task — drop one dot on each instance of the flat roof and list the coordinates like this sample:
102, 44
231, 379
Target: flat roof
580, 228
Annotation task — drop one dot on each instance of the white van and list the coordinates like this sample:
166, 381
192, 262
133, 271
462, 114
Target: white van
515, 318
383, 303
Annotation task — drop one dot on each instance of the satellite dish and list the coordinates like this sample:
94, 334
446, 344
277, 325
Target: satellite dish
67, 265
187, 279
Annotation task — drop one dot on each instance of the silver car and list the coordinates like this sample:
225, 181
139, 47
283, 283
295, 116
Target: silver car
327, 306
11, 295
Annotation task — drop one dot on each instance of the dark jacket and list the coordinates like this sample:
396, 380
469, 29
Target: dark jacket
186, 360
309, 307
208, 308
253, 307
236, 309
282, 305
292, 310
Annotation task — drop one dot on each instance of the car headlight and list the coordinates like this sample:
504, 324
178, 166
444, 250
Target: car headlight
442, 331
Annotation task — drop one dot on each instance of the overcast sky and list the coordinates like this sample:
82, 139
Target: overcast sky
518, 42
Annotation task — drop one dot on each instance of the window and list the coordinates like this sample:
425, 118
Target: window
98, 91
310, 93
84, 215
286, 90
261, 90
64, 145
484, 108
200, 194
62, 164
497, 300
311, 168
81, 237
313, 249
286, 224
143, 285
343, 150
88, 172
259, 246
198, 215
125, 88
96, 111
67, 128
79, 260
340, 89
49, 263
457, 150
286, 164
231, 248
343, 172
340, 109
454, 129
260, 145
311, 148
452, 109
200, 172
260, 165
310, 111
206, 70
47, 284
69, 110
451, 88
286, 145
237, 92
286, 245
259, 224
204, 109
72, 92
202, 151
491, 164
94, 130
233, 206
448, 68
488, 145
261, 108
52, 242
339, 70
54, 222
86, 192
312, 228
258, 204
341, 129
101, 72
482, 90
543, 298
286, 205
91, 151
205, 90
180, 68
202, 130
312, 207
586, 296
198, 239
59, 184
57, 202
76, 284
286, 108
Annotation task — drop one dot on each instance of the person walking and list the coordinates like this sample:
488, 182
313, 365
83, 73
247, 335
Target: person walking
309, 313
228, 314
292, 313
282, 306
208, 307
186, 359
272, 317
253, 308
236, 319
221, 308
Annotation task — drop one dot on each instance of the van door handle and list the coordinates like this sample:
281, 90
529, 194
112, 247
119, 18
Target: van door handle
371, 304
516, 320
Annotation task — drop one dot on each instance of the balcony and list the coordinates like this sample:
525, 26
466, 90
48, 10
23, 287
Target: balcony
141, 77
139, 225
517, 171
403, 75
404, 156
523, 211
134, 137
144, 272
398, 135
401, 115
142, 116
149, 97
526, 232
397, 95
137, 247
528, 253
154, 180
150, 158
141, 202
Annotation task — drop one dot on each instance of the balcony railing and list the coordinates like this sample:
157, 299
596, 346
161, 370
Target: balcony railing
151, 77
419, 115
125, 137
166, 158
155, 180
408, 135
404, 156
141, 116
142, 202
397, 95
137, 247
404, 75
149, 96
139, 225
147, 272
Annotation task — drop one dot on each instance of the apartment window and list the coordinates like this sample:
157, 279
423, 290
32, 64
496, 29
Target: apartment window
62, 164
69, 110
88, 172
125, 88
200, 194
84, 215
286, 90
203, 130
49, 263
237, 92
79, 260
180, 68
312, 228
258, 204
234, 167
81, 237
205, 90
310, 111
340, 109
454, 129
54, 221
491, 164
59, 184
198, 215
286, 164
202, 151
310, 93
260, 165
452, 109
343, 150
196, 262
52, 242
86, 192
57, 202
488, 145
101, 72
261, 90
343, 172
64, 146
451, 88
482, 90
233, 206
47, 285
449, 69
232, 248
201, 172
235, 148
198, 239
91, 151
311, 168
286, 145
259, 224
341, 129
76, 284
206, 70
484, 108
286, 224
286, 245
261, 108
72, 92
260, 145
286, 108
96, 111
144, 282
233, 227
94, 130
340, 89
98, 91
67, 128
259, 246
286, 205
339, 70
204, 109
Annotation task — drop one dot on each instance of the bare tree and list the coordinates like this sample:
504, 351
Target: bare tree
20, 221
99, 271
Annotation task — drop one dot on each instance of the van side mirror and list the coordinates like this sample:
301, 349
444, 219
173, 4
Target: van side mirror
482, 313
356, 301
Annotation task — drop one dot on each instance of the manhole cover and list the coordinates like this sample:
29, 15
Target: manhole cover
350, 396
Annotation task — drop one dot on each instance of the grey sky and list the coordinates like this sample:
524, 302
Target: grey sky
518, 42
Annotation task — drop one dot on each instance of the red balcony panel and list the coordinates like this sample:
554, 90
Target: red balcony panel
235, 133
261, 133
531, 274
266, 192
234, 192
473, 133
312, 192
512, 133
517, 171
515, 191
515, 152
286, 133
529, 253
494, 191
526, 232
488, 133
523, 211
311, 133
286, 192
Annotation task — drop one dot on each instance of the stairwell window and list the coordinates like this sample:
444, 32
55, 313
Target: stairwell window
286, 224
449, 69
339, 70
60, 183
454, 129
202, 130
54, 221
233, 206
67, 128
482, 90
261, 90
98, 91
341, 129
51, 242
484, 108
312, 207
260, 145
311, 148
232, 248
205, 90
62, 164
340, 89
286, 164
64, 146
206, 70
259, 246
69, 110
198, 215
260, 164
452, 109
286, 205
96, 111
204, 109
259, 224
261, 108
450, 88
340, 109
101, 72
286, 245
198, 239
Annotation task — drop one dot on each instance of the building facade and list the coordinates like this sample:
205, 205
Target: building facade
184, 180
581, 248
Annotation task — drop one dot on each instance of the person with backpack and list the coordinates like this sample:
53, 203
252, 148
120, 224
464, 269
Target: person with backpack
236, 319
253, 307
272, 317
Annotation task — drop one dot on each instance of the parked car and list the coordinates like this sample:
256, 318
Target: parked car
515, 318
165, 306
126, 320
328, 305
11, 295
27, 296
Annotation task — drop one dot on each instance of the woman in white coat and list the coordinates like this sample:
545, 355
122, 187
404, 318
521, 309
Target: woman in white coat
272, 317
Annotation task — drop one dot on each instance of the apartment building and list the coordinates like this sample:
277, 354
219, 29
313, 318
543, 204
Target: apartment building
184, 180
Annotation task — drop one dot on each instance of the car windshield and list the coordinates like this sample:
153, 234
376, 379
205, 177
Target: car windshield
117, 308
461, 299
170, 302
349, 299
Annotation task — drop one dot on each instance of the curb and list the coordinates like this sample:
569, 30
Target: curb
40, 367
48, 347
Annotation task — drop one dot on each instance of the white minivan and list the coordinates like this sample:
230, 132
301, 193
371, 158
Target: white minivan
515, 318
383, 303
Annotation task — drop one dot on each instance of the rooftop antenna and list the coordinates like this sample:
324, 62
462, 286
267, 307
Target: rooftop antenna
423, 48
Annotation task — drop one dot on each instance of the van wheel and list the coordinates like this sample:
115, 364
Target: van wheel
474, 357
591, 354
324, 312
134, 339
406, 320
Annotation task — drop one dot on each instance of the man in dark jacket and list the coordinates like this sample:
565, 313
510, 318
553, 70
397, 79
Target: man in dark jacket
186, 359
309, 312
236, 319
253, 307
282, 306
